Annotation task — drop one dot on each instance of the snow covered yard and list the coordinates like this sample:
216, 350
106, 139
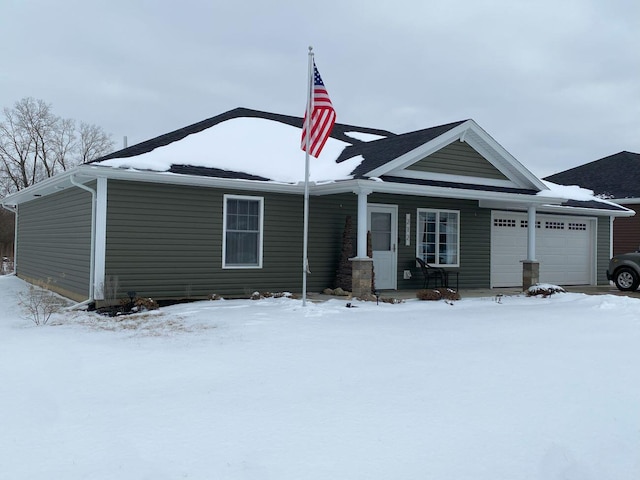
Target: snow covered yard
528, 388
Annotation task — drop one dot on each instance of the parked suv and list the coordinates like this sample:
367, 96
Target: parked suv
624, 271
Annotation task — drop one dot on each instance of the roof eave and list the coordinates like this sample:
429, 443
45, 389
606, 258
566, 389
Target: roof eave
374, 186
40, 189
625, 201
589, 211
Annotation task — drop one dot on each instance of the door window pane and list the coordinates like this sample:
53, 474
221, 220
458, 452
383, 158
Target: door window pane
380, 231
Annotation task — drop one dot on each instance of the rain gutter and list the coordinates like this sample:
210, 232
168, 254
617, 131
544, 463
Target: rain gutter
92, 263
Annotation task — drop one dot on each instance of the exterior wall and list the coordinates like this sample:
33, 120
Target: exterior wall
475, 238
458, 158
165, 241
54, 242
626, 232
602, 250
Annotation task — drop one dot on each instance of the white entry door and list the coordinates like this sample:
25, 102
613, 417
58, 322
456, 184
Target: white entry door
382, 222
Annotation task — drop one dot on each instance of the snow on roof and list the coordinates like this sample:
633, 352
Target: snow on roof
365, 137
256, 146
570, 192
573, 192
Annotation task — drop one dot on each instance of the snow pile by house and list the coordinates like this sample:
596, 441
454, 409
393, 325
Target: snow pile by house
255, 146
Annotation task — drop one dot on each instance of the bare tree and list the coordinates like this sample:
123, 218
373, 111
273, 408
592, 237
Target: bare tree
7, 229
36, 144
94, 142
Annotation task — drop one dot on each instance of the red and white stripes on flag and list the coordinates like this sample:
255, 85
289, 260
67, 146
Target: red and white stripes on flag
323, 116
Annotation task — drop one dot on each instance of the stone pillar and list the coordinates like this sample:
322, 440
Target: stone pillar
530, 273
361, 276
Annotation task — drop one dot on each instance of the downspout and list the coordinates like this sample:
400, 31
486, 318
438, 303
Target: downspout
14, 209
92, 261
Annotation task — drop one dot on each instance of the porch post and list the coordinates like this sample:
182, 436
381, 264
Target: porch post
361, 265
362, 223
531, 233
530, 266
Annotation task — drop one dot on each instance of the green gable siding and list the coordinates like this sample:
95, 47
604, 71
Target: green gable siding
165, 241
603, 250
54, 242
458, 158
475, 238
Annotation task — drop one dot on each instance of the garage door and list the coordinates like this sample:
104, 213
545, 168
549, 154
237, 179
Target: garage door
565, 248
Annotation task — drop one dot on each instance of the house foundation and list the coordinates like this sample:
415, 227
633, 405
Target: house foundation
361, 276
530, 273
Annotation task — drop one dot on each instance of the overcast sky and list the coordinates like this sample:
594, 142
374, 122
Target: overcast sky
555, 82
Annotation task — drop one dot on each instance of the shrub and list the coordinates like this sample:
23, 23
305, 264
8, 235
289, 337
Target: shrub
39, 304
544, 289
143, 304
438, 294
262, 295
110, 289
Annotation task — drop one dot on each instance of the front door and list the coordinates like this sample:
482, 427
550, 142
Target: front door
382, 222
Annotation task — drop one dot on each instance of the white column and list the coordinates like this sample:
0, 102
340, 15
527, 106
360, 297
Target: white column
531, 233
611, 219
362, 223
100, 238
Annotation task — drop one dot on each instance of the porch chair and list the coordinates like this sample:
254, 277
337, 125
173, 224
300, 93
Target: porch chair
430, 272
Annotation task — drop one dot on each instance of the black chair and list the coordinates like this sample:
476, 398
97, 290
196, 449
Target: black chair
430, 272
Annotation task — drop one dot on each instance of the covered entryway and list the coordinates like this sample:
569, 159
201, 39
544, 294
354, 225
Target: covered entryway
382, 222
565, 248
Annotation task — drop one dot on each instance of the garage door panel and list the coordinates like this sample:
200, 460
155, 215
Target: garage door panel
564, 248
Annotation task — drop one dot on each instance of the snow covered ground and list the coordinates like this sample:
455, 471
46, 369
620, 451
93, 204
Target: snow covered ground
528, 388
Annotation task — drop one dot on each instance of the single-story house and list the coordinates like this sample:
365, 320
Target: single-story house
217, 207
617, 178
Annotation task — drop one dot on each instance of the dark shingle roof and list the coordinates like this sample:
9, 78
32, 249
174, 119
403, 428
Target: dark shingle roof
378, 152
594, 204
615, 176
457, 185
339, 131
213, 172
375, 153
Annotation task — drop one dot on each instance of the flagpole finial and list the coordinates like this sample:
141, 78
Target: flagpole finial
310, 48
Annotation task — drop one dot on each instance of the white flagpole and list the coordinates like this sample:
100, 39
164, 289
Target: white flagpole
305, 241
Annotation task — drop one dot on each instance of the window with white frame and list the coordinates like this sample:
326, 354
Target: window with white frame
438, 237
242, 232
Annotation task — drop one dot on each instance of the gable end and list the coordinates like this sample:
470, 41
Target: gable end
458, 158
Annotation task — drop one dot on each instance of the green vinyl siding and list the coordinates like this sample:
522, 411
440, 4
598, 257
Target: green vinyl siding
475, 238
603, 250
165, 241
54, 242
458, 158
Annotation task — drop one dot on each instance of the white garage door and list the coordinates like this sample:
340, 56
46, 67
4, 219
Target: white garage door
565, 248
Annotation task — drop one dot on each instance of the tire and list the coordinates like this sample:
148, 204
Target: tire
626, 279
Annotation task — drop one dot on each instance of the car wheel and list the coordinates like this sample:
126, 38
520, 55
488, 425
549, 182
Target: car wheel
626, 279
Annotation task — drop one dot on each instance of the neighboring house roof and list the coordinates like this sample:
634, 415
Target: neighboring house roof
260, 151
616, 176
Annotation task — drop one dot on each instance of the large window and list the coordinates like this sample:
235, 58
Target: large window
242, 236
438, 237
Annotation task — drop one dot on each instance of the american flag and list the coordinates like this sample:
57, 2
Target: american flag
323, 116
